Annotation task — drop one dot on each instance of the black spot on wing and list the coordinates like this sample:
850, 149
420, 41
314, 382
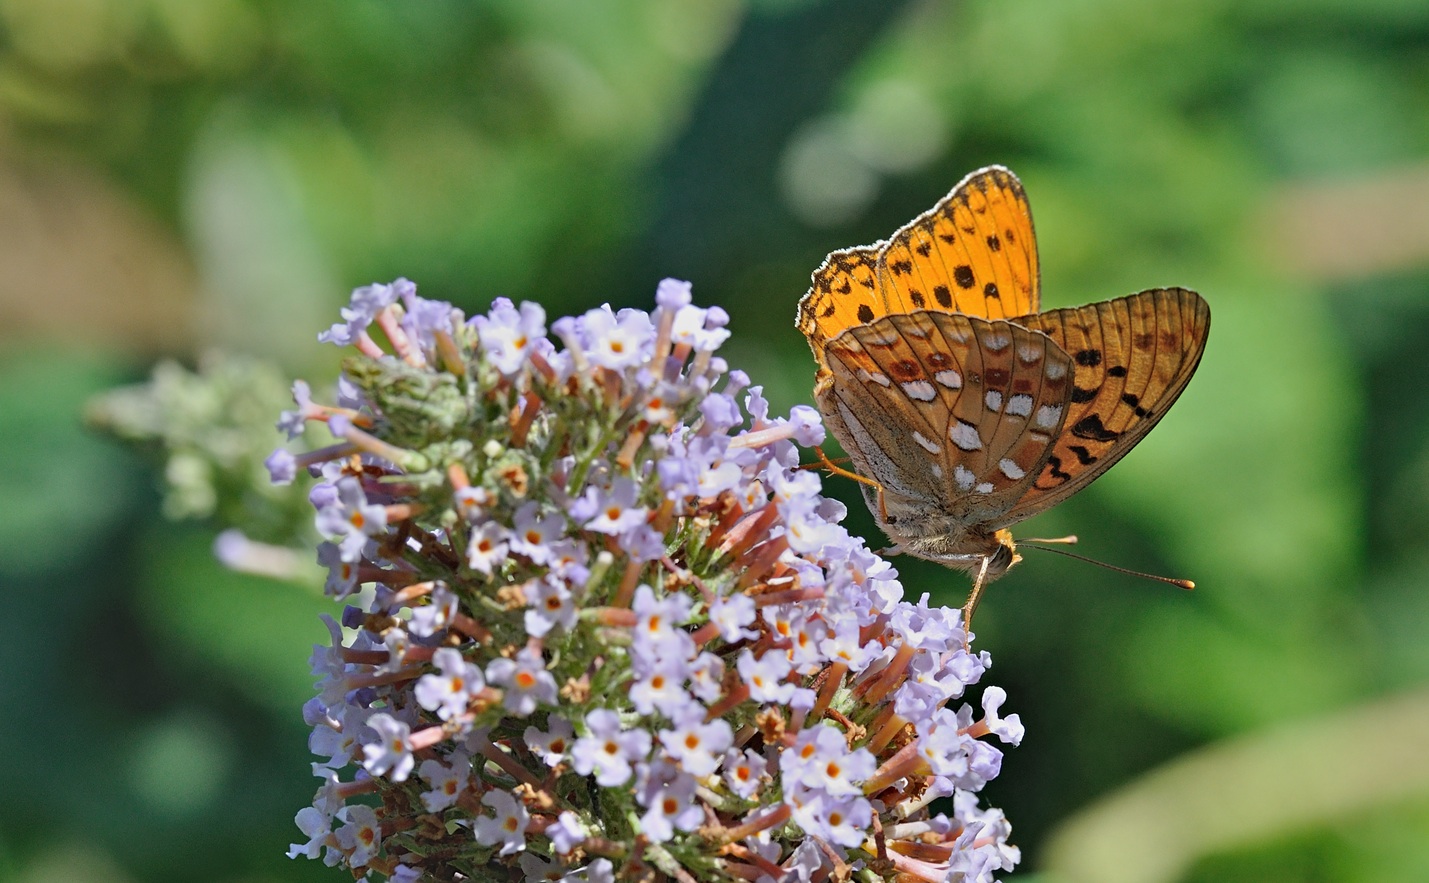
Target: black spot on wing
943, 296
963, 275
1135, 402
1090, 427
865, 313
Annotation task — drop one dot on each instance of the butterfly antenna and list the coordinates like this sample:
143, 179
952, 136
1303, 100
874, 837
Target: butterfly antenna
1178, 583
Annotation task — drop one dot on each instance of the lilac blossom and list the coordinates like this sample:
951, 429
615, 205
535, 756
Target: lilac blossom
597, 588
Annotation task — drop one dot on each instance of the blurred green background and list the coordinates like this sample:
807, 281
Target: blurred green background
181, 177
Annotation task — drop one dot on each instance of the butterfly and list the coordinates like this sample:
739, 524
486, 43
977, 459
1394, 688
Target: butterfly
964, 408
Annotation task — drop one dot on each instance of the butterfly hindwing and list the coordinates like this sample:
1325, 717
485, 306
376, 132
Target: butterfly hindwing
1133, 356
974, 253
950, 410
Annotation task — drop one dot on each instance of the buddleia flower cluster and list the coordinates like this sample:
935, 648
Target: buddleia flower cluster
602, 624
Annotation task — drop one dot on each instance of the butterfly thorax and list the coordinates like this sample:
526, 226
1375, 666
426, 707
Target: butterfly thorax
925, 532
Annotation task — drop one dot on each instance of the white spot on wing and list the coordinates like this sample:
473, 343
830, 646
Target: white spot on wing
877, 377
871, 339
1048, 415
965, 436
1028, 354
993, 400
963, 477
931, 447
1010, 469
949, 378
984, 488
997, 342
937, 471
1055, 370
1019, 405
919, 390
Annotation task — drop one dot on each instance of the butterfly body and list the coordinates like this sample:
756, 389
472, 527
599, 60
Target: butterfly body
966, 408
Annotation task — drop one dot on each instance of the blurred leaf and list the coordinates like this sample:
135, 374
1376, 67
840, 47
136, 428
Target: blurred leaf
254, 630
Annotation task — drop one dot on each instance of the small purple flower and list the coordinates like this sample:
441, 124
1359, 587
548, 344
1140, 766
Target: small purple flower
733, 614
282, 467
616, 340
506, 826
360, 835
291, 423
607, 750
659, 689
352, 518
695, 745
317, 827
488, 548
821, 759
656, 619
390, 754
567, 833
766, 676
507, 334
672, 806
447, 782
449, 694
743, 771
1008, 729
553, 744
841, 820
642, 543
552, 605
671, 294
526, 681
532, 532
610, 510
423, 318
436, 615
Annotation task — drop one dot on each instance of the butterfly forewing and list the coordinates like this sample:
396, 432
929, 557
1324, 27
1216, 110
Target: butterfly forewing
974, 253
1133, 356
951, 410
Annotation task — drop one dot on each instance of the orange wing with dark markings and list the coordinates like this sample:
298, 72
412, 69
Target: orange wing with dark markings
1133, 357
973, 253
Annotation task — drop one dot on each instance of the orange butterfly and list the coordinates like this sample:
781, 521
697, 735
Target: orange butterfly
963, 407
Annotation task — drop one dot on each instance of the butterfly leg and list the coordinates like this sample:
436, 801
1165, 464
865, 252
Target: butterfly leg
839, 470
975, 596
